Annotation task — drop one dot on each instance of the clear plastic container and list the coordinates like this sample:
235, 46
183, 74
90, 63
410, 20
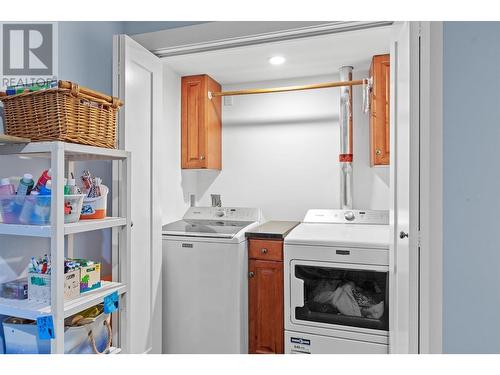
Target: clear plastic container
34, 209
73, 207
29, 209
16, 289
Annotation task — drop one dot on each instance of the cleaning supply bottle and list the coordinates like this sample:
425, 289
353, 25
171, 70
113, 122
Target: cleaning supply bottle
25, 217
66, 187
25, 186
41, 210
46, 176
47, 189
6, 188
8, 209
73, 189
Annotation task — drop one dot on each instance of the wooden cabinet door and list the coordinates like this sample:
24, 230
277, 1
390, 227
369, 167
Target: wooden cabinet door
379, 117
266, 324
194, 142
201, 123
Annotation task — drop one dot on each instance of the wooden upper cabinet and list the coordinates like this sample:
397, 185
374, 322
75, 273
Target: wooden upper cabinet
379, 116
201, 123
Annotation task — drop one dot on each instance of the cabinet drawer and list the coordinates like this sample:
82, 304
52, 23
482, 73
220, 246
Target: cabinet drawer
265, 249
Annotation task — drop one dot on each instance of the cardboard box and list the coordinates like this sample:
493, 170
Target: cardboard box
90, 277
39, 286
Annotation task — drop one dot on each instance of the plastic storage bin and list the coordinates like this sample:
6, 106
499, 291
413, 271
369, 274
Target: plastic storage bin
95, 208
73, 207
90, 335
35, 210
29, 209
16, 289
21, 337
2, 340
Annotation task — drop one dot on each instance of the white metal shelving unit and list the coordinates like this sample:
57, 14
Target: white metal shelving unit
62, 155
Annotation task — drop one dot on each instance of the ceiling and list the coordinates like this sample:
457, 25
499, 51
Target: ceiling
306, 57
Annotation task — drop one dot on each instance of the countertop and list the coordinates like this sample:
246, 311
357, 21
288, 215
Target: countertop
272, 230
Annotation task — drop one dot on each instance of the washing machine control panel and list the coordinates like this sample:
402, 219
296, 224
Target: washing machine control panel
380, 217
224, 213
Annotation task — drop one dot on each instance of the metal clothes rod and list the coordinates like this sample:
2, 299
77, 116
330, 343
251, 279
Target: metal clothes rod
288, 88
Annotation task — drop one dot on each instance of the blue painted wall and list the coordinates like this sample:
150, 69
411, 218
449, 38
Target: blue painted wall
86, 48
86, 53
471, 113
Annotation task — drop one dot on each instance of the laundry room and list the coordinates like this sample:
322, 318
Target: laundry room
258, 186
281, 153
243, 187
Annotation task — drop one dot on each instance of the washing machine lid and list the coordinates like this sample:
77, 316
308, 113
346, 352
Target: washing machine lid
343, 235
205, 228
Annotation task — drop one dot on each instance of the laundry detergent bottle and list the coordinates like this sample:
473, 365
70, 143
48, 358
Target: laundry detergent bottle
7, 209
25, 185
6, 188
46, 176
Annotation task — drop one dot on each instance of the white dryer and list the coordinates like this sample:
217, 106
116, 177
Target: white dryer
337, 283
205, 281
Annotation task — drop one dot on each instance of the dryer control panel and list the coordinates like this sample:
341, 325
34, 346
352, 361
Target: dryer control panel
380, 217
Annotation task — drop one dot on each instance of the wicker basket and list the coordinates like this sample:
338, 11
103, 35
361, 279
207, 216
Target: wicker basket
68, 113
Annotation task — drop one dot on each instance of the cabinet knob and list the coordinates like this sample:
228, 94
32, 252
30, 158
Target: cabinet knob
378, 152
202, 157
263, 251
251, 274
403, 235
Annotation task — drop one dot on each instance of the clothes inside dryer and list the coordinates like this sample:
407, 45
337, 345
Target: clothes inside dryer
344, 296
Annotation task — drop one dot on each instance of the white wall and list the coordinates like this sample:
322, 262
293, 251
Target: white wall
280, 153
175, 184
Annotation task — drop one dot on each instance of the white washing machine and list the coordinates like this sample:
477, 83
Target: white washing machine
205, 280
337, 283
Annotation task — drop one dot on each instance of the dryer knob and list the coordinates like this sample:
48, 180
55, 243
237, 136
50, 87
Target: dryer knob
349, 216
220, 213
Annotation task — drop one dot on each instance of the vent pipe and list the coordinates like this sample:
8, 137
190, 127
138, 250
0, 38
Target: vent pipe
345, 157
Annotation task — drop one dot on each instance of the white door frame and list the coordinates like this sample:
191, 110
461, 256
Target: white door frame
431, 187
422, 317
417, 264
119, 83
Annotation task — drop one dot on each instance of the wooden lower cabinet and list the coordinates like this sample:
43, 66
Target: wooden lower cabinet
266, 323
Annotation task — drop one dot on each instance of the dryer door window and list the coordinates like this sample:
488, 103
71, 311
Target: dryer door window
341, 295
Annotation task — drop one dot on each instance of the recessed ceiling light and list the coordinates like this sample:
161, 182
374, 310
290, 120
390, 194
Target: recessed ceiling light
277, 60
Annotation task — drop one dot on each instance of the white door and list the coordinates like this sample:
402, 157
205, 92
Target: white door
404, 188
137, 81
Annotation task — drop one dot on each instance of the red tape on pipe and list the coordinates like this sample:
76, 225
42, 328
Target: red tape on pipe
345, 158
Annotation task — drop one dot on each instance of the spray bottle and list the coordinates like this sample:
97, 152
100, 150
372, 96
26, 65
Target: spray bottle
47, 188
41, 210
46, 176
